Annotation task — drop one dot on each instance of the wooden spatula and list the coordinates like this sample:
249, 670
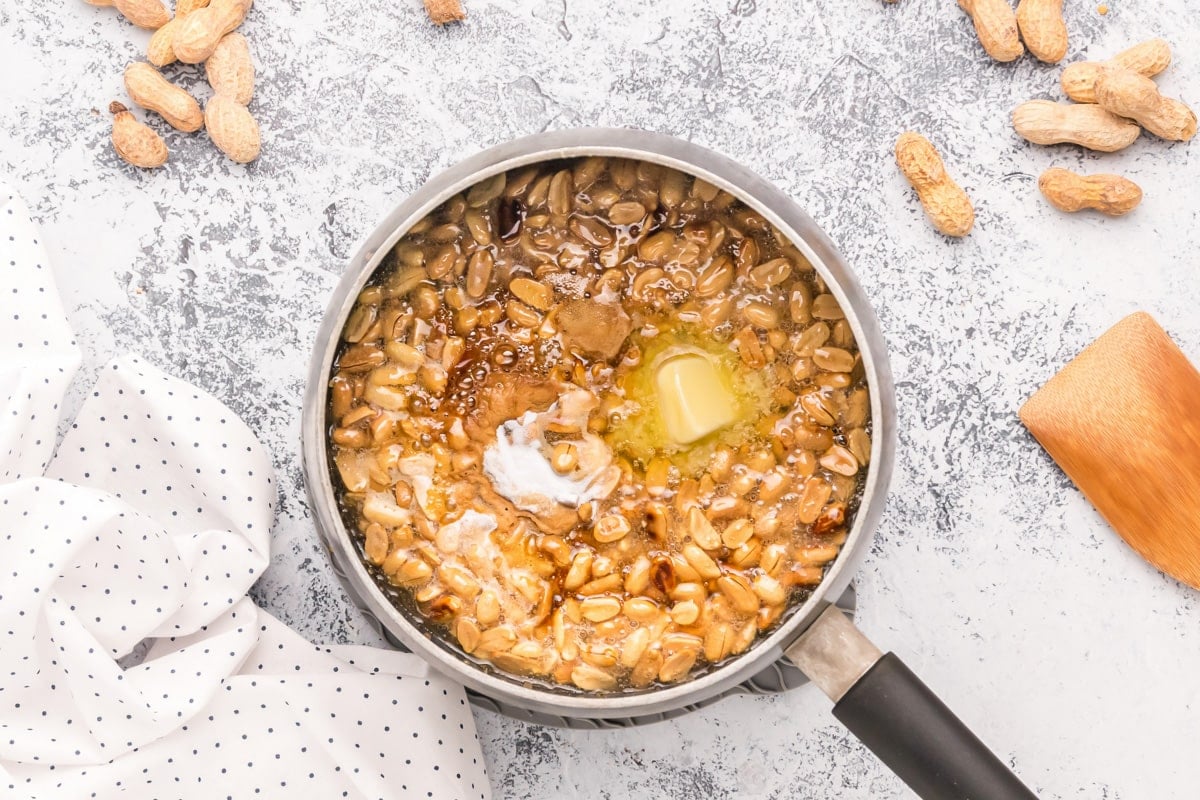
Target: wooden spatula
1123, 421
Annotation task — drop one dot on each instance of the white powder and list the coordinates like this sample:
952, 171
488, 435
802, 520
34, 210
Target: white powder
519, 470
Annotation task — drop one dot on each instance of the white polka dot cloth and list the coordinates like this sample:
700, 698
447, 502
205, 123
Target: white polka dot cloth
141, 533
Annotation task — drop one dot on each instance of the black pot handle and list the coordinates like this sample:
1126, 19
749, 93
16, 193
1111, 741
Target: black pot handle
885, 705
913, 732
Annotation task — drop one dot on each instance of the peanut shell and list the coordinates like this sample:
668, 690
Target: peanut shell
149, 89
230, 70
134, 141
232, 128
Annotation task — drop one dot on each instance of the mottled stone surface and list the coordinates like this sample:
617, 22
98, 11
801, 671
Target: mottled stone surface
990, 574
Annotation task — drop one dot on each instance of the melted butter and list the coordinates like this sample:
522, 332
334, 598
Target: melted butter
641, 428
694, 397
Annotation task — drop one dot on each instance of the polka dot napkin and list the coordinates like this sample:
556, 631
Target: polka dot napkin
140, 534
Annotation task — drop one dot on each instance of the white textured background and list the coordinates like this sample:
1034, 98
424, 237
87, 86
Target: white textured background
990, 575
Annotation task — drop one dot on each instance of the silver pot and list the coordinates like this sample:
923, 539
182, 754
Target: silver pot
815, 635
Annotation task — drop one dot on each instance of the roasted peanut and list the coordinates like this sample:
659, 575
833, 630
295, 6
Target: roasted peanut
771, 273
637, 579
1147, 58
996, 26
1090, 126
815, 493
839, 460
232, 128
581, 567
944, 201
737, 533
626, 213
701, 530
685, 612
479, 274
134, 141
564, 458
442, 12
497, 640
230, 70
161, 49
859, 444
487, 608
532, 293
718, 641
701, 562
599, 609
152, 91
468, 634
1109, 194
1043, 29
676, 665
149, 14
1128, 94
522, 315
590, 677
739, 592
201, 31
611, 528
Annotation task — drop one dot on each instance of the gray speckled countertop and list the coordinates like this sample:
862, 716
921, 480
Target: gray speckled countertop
990, 574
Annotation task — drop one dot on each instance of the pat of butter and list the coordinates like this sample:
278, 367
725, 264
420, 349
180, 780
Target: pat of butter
692, 399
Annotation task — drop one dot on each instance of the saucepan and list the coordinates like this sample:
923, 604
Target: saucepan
875, 695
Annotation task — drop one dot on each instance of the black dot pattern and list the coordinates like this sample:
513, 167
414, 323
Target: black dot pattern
142, 535
39, 355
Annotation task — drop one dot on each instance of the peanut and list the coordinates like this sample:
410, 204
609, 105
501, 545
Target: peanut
1129, 94
996, 26
203, 29
149, 14
1043, 28
151, 90
161, 50
230, 70
1047, 122
1148, 58
232, 129
946, 204
1109, 194
134, 141
443, 11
